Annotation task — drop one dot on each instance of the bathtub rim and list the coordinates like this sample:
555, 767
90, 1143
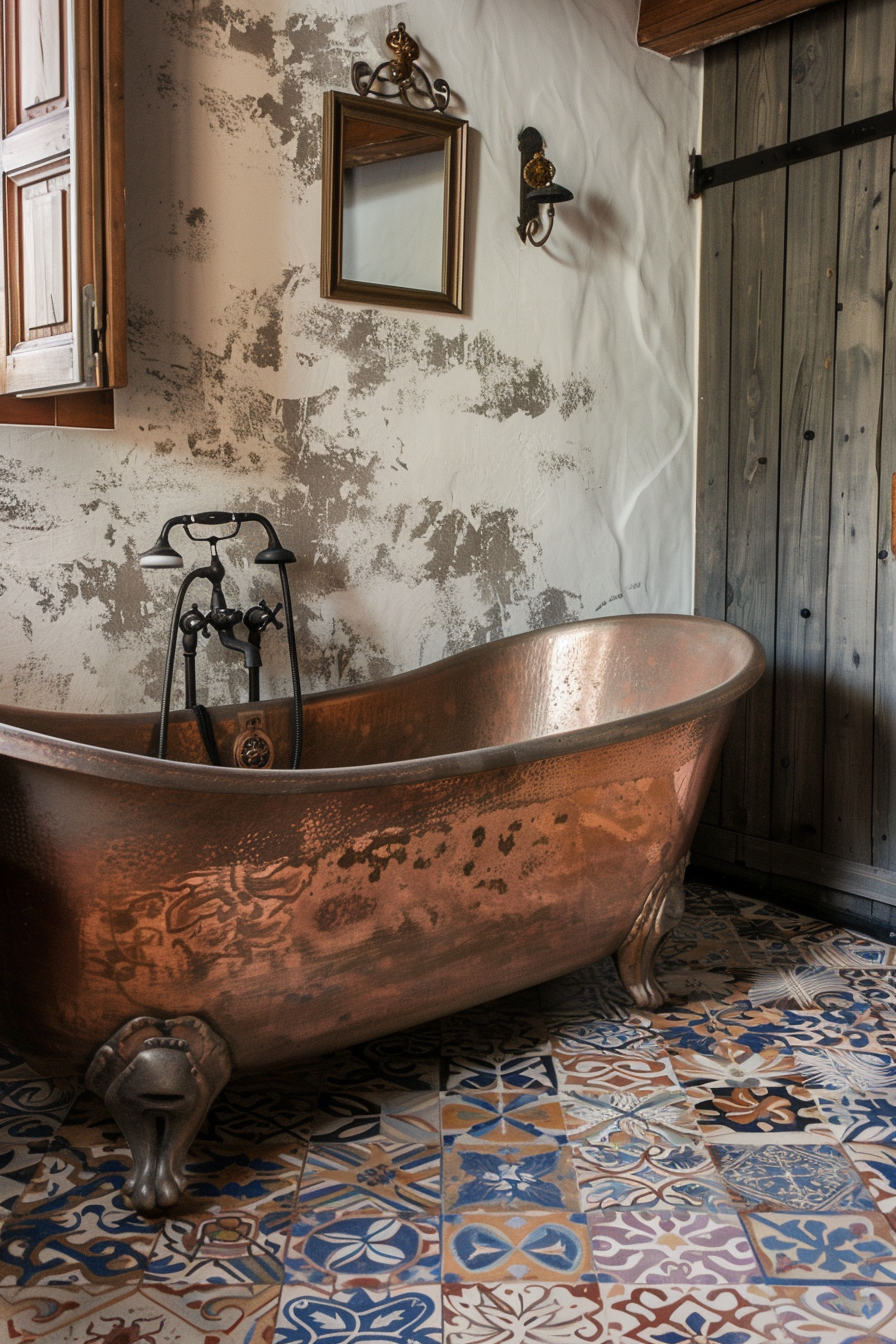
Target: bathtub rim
61, 753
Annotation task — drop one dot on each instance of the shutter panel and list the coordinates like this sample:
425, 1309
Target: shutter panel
62, 189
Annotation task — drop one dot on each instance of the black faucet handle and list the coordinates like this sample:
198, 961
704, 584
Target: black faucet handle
259, 618
224, 618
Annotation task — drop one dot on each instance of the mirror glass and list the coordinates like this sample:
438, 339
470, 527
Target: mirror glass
393, 204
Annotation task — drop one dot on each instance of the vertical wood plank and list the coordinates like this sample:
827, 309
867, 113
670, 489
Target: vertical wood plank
719, 114
851, 621
884, 816
807, 390
40, 52
757, 283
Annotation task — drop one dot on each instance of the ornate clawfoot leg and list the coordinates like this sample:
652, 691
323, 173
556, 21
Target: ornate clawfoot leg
158, 1080
659, 914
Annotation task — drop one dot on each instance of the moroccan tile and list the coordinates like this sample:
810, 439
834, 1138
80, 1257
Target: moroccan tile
57, 1315
852, 1026
575, 1029
501, 1117
397, 1316
489, 1031
858, 1119
876, 1164
156, 1315
345, 1251
517, 1073
265, 1111
700, 1026
662, 1117
32, 1109
220, 1178
409, 1062
674, 1246
686, 984
828, 1246
710, 943
350, 1117
17, 1168
873, 985
380, 1176
543, 1313
837, 947
858, 1071
807, 1178
97, 1242
504, 1247
797, 987
243, 1246
70, 1178
724, 1112
643, 1175
732, 1063
683, 1315
614, 1073
839, 1313
87, 1125
512, 1178
13, 1066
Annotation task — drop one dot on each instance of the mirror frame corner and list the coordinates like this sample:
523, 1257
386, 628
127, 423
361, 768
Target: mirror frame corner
450, 299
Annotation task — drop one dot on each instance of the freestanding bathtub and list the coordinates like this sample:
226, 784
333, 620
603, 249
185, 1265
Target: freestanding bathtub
492, 820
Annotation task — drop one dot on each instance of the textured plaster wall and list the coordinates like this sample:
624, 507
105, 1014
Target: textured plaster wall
443, 480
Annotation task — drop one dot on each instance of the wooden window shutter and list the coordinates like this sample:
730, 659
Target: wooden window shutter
62, 316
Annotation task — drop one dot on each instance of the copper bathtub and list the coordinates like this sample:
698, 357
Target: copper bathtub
456, 833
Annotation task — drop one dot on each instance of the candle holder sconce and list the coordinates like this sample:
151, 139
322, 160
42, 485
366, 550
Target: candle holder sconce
537, 188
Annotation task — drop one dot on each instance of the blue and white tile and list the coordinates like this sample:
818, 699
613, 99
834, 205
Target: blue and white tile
360, 1250
359, 1316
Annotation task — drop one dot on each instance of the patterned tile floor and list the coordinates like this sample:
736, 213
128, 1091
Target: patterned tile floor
553, 1167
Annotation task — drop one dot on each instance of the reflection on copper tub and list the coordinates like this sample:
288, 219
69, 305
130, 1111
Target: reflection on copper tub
492, 820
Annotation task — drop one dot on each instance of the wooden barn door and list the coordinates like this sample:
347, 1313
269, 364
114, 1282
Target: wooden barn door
797, 448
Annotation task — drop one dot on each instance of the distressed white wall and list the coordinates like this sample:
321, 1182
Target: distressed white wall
443, 480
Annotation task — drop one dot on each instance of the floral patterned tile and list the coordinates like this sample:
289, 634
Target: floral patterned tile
852, 1026
543, 1313
824, 1247
665, 1118
614, 1073
799, 987
399, 1316
873, 985
876, 1163
380, 1176
245, 1246
733, 1064
790, 1177
725, 1112
687, 984
501, 1117
860, 1071
673, 1246
29, 1315
837, 947
511, 1179
32, 1109
346, 1251
644, 1175
262, 1111
502, 1247
575, 1029
699, 1027
684, 1315
838, 1313
352, 1117
516, 1073
855, 1119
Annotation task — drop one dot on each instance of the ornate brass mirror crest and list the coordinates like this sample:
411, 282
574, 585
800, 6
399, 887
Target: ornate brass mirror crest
394, 184
403, 73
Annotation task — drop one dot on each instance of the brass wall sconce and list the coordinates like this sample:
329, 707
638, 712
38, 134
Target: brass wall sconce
537, 188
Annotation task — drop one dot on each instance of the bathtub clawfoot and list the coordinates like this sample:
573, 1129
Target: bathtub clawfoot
158, 1080
658, 916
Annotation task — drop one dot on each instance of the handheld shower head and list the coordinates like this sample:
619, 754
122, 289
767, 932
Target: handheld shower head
161, 556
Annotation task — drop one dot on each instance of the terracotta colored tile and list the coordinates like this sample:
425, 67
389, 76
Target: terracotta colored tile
840, 1313
324, 1316
824, 1247
244, 1246
876, 1164
380, 1176
723, 1113
681, 1315
616, 1072
733, 1063
497, 1313
499, 1247
512, 1178
501, 1117
673, 1246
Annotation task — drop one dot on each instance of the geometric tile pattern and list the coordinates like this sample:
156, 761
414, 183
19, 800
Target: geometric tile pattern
556, 1166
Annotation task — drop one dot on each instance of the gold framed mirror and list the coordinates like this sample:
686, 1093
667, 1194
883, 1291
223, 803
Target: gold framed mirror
394, 187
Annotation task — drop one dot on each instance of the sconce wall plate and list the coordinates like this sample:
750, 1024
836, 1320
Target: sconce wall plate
537, 188
404, 73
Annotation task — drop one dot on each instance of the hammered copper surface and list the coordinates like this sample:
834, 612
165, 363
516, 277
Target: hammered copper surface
455, 834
